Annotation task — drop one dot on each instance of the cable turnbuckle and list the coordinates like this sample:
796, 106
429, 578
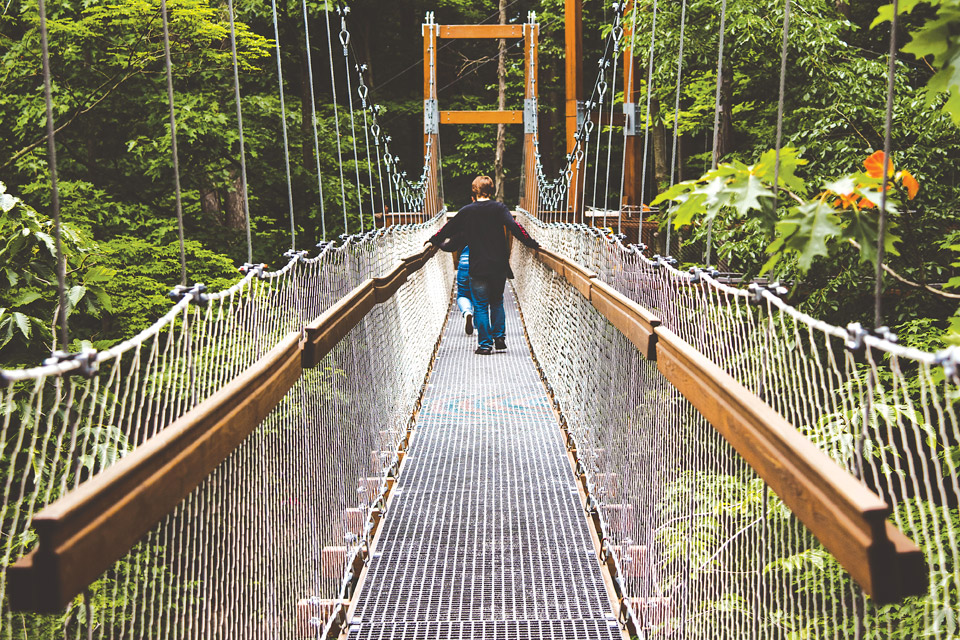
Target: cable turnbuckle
197, 293
87, 357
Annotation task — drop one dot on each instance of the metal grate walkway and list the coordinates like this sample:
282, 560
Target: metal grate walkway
485, 537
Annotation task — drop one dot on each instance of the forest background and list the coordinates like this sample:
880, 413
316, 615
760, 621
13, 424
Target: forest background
116, 176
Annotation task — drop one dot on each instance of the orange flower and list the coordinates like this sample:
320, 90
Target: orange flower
874, 165
908, 181
845, 201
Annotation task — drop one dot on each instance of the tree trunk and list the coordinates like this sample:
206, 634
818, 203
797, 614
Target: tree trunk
501, 104
210, 201
235, 214
661, 163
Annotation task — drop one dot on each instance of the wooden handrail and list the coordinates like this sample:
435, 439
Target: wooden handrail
845, 516
84, 532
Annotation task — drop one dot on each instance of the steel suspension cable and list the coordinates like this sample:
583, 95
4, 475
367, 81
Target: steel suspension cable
283, 121
243, 157
345, 41
887, 162
780, 100
336, 116
363, 91
676, 115
716, 118
629, 98
54, 186
313, 117
173, 142
648, 121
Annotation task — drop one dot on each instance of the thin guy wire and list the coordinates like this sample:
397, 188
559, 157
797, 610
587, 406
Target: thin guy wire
887, 162
783, 79
716, 116
54, 186
336, 116
243, 156
676, 115
283, 120
313, 117
173, 142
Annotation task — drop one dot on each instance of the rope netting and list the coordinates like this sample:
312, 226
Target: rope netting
305, 480
886, 413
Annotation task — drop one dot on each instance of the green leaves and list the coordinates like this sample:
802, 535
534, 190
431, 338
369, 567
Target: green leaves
939, 39
804, 231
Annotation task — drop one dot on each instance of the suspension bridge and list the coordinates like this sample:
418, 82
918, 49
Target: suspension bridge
315, 452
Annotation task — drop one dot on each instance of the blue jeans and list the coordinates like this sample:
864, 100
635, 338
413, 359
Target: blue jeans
463, 283
487, 292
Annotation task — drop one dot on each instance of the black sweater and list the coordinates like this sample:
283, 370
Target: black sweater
481, 225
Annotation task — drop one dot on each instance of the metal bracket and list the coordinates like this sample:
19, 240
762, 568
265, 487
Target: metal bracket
581, 112
530, 115
431, 117
629, 118
197, 293
89, 365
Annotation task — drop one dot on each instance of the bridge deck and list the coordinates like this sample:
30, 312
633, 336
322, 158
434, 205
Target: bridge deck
485, 536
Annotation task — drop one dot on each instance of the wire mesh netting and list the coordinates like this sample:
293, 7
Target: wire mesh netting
884, 412
250, 540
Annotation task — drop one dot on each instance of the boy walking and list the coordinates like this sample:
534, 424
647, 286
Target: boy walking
482, 223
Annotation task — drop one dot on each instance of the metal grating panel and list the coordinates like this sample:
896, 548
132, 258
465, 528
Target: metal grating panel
485, 536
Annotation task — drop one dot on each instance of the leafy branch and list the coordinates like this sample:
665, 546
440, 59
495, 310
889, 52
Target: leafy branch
803, 229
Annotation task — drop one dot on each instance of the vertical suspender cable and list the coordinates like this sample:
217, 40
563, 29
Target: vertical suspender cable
780, 100
676, 113
647, 118
716, 116
283, 121
173, 142
243, 157
363, 91
336, 116
345, 41
313, 116
54, 187
887, 162
629, 98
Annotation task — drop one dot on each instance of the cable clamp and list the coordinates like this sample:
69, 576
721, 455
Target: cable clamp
197, 292
87, 357
757, 291
255, 269
696, 271
855, 335
290, 254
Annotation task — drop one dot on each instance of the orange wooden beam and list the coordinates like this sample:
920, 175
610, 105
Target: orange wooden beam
481, 117
481, 31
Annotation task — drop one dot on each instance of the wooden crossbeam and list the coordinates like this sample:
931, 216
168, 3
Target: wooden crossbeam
481, 117
481, 31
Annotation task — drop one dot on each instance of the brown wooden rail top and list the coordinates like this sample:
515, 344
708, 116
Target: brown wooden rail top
845, 516
83, 533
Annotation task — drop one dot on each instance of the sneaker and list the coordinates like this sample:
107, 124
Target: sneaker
468, 327
483, 351
500, 343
